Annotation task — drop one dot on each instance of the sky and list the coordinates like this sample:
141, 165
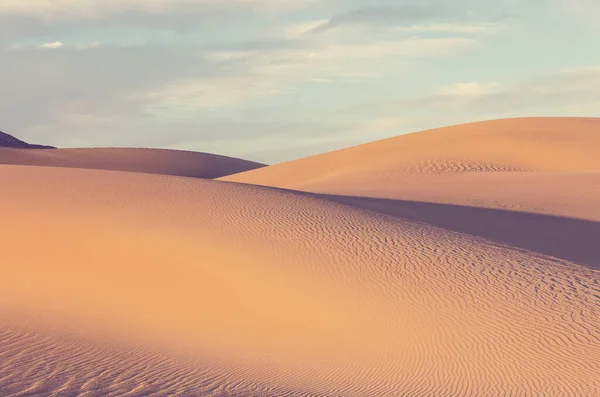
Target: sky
274, 80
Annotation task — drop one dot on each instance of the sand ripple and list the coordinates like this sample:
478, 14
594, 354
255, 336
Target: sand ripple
139, 285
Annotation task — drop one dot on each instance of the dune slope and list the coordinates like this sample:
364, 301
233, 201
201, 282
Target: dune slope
512, 145
511, 181
114, 275
152, 161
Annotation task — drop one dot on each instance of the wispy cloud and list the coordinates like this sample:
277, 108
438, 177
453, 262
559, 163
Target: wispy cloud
453, 28
573, 89
281, 71
415, 18
383, 15
588, 10
53, 45
468, 90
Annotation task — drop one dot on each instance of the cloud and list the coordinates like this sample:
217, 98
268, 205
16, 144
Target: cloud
56, 44
568, 92
297, 30
391, 16
468, 90
386, 15
313, 52
59, 18
102, 82
414, 47
453, 28
588, 10
279, 72
147, 73
120, 95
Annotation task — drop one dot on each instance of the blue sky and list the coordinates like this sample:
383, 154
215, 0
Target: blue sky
273, 80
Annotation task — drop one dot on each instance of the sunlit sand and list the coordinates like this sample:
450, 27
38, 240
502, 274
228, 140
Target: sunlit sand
453, 262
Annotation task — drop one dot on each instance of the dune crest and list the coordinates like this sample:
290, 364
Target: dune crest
530, 144
151, 161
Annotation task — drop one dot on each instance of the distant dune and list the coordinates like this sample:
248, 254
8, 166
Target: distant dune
453, 262
152, 161
9, 141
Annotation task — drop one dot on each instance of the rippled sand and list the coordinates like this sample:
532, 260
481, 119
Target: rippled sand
125, 284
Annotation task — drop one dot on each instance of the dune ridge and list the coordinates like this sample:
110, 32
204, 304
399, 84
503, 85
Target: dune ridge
529, 144
152, 161
295, 294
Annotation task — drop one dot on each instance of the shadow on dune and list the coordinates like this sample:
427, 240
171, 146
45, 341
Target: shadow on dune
571, 239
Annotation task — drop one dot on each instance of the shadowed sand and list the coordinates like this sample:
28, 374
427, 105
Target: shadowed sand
454, 262
152, 161
571, 239
115, 275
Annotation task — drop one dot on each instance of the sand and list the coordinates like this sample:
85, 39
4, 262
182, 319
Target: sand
127, 284
511, 145
531, 183
152, 161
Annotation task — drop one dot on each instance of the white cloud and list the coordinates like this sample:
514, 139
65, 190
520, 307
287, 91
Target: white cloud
469, 90
294, 31
54, 45
410, 48
588, 10
193, 94
413, 47
280, 72
381, 125
567, 92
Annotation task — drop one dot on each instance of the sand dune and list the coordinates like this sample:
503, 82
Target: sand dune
152, 161
572, 194
511, 181
512, 145
143, 285
452, 262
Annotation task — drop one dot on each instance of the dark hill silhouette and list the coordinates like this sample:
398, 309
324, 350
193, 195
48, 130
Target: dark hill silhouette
10, 141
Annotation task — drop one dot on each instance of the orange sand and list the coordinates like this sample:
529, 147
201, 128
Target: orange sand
122, 284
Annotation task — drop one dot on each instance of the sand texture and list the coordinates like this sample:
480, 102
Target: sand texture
458, 283
511, 145
152, 161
